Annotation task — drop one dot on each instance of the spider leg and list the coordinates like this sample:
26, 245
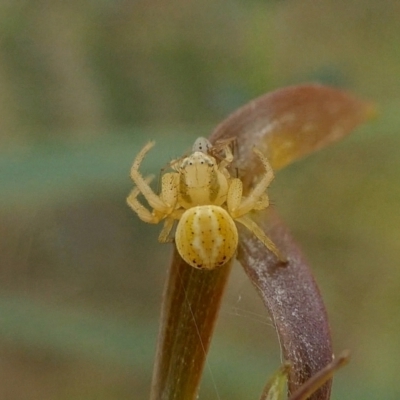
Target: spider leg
155, 201
234, 197
268, 243
166, 230
168, 225
262, 203
143, 213
227, 159
252, 201
169, 188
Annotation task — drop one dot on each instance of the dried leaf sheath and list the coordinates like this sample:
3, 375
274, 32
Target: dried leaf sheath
293, 301
290, 123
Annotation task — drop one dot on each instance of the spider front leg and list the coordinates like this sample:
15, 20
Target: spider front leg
143, 213
163, 205
169, 193
257, 198
227, 159
155, 201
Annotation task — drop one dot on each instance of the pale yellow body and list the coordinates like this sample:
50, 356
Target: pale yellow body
203, 197
206, 236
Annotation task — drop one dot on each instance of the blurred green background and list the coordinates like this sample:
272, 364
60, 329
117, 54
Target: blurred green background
83, 85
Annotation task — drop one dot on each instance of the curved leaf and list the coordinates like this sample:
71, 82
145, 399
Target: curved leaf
285, 125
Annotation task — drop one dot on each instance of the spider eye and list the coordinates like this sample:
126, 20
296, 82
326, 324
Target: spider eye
201, 144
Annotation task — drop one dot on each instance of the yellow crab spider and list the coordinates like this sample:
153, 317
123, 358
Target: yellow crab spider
205, 200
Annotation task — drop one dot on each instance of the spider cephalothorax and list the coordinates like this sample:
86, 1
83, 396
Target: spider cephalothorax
205, 200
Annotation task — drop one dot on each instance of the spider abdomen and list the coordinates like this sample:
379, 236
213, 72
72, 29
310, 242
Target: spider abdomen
206, 236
